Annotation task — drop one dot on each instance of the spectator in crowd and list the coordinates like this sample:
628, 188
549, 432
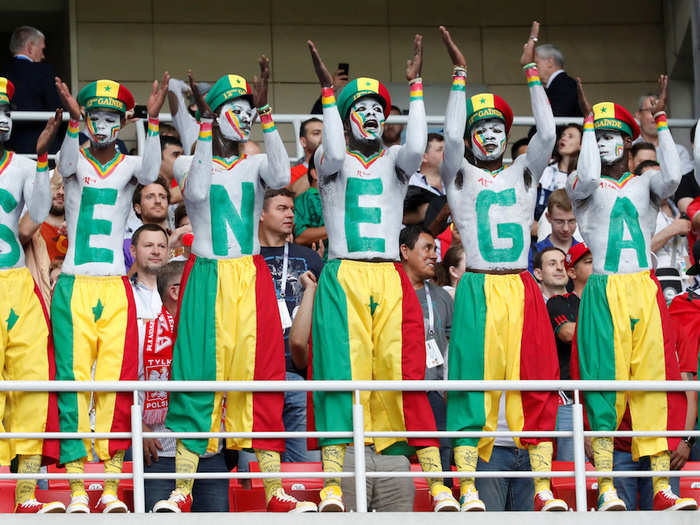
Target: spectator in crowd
150, 204
392, 132
640, 152
287, 263
451, 268
519, 147
560, 87
564, 161
53, 229
549, 270
149, 251
309, 228
170, 150
310, 136
183, 232
428, 177
560, 217
34, 84
419, 259
563, 312
688, 189
649, 132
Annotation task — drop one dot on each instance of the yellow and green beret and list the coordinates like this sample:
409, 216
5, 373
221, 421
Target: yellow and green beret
106, 94
7, 90
361, 87
487, 106
227, 88
608, 115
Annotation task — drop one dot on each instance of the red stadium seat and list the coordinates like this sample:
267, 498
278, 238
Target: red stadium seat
565, 488
690, 487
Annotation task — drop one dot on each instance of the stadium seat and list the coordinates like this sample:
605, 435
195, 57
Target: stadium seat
565, 488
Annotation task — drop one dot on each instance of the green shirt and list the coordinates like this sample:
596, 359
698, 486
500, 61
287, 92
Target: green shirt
308, 212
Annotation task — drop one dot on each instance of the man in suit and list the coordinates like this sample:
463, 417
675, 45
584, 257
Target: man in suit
34, 80
560, 87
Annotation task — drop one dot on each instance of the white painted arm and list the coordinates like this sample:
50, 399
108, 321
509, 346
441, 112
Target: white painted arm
150, 161
37, 191
331, 154
455, 123
666, 183
539, 149
196, 182
70, 150
411, 153
583, 182
185, 124
274, 170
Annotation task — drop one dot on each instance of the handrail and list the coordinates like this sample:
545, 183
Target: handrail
358, 433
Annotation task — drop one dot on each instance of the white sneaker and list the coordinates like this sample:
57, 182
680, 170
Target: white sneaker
79, 504
109, 503
469, 501
177, 502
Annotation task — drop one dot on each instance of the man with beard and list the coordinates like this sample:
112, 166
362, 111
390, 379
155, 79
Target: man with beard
53, 229
229, 324
26, 348
623, 323
150, 204
501, 327
367, 322
92, 311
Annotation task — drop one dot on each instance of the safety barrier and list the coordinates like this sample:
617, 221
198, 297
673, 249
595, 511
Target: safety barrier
358, 433
296, 120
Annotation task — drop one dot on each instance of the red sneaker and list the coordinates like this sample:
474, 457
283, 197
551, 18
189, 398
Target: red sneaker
109, 504
36, 507
665, 499
177, 502
546, 502
283, 502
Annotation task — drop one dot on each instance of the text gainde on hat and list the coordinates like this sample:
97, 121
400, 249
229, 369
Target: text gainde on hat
227, 88
611, 116
7, 90
106, 94
361, 87
484, 106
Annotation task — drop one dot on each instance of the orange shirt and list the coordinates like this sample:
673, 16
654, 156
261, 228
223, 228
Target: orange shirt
56, 244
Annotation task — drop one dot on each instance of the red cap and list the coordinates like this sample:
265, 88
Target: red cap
575, 253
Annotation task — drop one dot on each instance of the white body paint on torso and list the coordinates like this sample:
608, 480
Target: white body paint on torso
15, 190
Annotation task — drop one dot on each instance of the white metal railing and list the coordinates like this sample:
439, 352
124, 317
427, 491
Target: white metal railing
358, 433
296, 119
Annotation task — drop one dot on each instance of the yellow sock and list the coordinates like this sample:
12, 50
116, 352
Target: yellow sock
269, 461
541, 461
333, 458
113, 466
429, 458
603, 460
25, 488
466, 458
77, 487
185, 461
661, 461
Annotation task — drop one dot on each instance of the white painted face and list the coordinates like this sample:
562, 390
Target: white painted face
103, 127
367, 119
235, 119
611, 145
488, 139
5, 123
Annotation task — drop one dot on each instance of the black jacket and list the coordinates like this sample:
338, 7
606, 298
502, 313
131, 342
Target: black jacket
563, 97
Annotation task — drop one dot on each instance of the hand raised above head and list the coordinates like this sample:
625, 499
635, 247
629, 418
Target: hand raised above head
260, 83
452, 49
414, 65
204, 109
324, 76
528, 55
660, 103
49, 132
157, 97
67, 100
583, 103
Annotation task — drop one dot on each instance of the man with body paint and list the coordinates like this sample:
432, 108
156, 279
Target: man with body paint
623, 329
229, 325
92, 312
26, 347
367, 321
501, 326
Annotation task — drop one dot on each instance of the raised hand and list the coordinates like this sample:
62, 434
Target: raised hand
49, 133
67, 100
157, 97
415, 64
260, 83
454, 52
324, 76
660, 103
204, 109
583, 103
528, 55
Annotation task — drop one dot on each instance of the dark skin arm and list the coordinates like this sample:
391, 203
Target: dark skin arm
260, 83
311, 235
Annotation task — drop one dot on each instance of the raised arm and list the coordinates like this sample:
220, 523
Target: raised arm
411, 153
37, 189
150, 163
669, 160
582, 182
70, 149
185, 124
455, 114
274, 170
539, 149
331, 154
696, 155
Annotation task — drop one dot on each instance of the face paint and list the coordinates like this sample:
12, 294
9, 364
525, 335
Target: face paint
235, 119
610, 146
103, 127
367, 119
5, 123
488, 139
